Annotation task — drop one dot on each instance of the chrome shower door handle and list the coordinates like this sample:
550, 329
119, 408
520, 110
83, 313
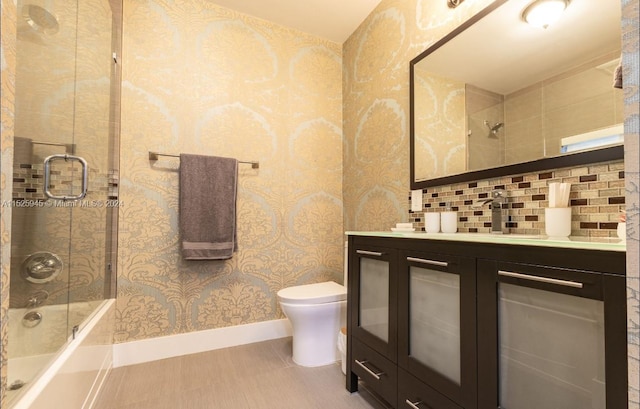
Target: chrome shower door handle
47, 176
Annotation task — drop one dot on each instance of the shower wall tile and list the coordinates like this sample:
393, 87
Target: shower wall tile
28, 183
200, 78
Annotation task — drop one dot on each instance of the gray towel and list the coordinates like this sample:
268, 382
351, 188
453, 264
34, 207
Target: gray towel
208, 191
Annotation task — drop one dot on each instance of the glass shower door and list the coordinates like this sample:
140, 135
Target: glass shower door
93, 133
40, 233
65, 125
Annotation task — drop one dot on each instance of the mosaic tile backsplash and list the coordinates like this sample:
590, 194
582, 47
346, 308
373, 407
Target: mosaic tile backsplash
597, 199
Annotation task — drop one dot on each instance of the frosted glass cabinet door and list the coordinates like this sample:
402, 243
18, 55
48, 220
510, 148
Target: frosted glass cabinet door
551, 350
434, 320
552, 337
374, 297
437, 323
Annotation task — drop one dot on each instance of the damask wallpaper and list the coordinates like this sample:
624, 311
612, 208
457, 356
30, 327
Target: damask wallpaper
376, 104
199, 78
440, 128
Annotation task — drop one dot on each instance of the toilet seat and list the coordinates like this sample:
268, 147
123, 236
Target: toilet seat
319, 293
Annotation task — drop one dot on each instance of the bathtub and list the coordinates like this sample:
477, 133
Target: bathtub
71, 376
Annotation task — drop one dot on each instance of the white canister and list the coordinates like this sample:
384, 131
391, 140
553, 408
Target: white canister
557, 221
449, 222
432, 222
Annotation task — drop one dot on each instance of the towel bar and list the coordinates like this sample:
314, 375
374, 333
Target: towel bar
154, 156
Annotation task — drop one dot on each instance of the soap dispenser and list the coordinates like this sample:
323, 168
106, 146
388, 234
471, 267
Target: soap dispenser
449, 220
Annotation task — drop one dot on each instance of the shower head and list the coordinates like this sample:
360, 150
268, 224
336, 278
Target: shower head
40, 19
495, 128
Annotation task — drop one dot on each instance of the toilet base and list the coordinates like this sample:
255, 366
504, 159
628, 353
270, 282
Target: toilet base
315, 332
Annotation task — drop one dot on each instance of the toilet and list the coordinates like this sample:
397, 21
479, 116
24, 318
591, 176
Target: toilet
316, 312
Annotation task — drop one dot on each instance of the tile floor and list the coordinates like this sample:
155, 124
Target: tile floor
260, 375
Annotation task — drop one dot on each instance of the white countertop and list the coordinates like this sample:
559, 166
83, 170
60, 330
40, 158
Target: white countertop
574, 242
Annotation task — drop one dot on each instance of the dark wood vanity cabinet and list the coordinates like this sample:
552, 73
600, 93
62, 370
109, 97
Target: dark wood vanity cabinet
437, 326
551, 337
372, 342
477, 325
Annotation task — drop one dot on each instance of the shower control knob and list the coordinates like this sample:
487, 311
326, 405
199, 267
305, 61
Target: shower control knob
31, 319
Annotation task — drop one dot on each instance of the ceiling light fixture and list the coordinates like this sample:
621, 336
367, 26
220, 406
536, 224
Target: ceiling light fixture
542, 13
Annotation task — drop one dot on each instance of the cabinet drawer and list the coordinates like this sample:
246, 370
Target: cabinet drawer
379, 373
414, 394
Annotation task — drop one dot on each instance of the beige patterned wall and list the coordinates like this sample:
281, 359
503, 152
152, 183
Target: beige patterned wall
440, 125
7, 101
199, 78
376, 104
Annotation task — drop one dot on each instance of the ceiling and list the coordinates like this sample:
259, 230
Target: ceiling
334, 20
503, 54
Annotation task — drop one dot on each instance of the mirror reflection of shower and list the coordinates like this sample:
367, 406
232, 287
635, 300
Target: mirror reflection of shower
493, 129
37, 24
40, 19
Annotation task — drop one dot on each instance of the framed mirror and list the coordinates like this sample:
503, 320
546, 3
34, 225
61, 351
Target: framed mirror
498, 96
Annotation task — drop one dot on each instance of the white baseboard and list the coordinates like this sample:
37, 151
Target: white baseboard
136, 352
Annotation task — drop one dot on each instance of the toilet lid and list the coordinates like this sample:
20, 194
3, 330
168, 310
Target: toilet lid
319, 293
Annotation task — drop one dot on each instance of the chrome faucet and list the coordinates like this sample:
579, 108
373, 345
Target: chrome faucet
497, 202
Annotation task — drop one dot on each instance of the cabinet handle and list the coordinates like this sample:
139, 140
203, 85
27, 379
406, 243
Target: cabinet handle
374, 374
412, 404
565, 283
431, 262
369, 253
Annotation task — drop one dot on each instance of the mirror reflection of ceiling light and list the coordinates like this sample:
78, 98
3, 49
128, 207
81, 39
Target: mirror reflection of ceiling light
454, 3
543, 13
